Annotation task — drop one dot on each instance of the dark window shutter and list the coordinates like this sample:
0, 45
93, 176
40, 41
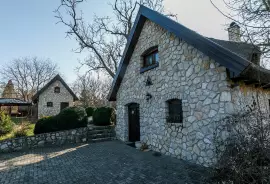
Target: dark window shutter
175, 111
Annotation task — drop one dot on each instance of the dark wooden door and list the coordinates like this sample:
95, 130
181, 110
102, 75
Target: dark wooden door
134, 122
63, 105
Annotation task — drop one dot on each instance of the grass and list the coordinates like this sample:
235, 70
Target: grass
29, 131
18, 120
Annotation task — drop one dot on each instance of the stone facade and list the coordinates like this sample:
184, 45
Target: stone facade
243, 96
183, 73
80, 135
57, 98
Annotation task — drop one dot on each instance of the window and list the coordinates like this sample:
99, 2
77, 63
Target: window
57, 89
49, 104
269, 105
150, 59
175, 112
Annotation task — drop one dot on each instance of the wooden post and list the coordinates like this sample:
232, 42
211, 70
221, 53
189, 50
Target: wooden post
10, 110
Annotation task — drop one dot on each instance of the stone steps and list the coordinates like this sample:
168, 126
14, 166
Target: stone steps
92, 127
94, 136
100, 131
102, 139
99, 134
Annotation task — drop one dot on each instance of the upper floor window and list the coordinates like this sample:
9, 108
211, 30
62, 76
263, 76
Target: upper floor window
150, 58
175, 112
57, 89
49, 104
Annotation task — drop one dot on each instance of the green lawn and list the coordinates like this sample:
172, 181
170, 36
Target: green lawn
18, 120
29, 132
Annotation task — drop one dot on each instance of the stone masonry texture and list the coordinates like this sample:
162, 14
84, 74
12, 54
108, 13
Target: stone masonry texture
80, 135
49, 96
183, 73
99, 163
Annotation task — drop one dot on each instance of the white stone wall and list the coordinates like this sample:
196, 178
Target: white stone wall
49, 96
243, 96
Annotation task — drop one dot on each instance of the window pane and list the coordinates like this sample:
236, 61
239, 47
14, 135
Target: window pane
150, 61
57, 89
156, 57
49, 104
151, 58
175, 111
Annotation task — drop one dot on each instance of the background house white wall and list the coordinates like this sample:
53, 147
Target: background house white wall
49, 96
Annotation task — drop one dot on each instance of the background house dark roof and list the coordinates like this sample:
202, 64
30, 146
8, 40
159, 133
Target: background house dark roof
56, 78
13, 102
233, 56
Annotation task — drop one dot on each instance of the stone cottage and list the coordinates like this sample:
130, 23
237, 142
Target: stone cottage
53, 97
173, 83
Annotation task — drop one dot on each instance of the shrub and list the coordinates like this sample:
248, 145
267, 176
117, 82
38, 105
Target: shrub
71, 117
68, 118
46, 124
242, 148
6, 124
103, 116
21, 130
89, 111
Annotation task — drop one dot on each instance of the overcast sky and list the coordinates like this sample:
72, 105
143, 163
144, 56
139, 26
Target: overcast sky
28, 28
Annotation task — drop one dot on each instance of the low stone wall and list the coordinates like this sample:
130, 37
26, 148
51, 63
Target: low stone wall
80, 135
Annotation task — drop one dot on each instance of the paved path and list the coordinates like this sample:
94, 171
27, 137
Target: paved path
108, 162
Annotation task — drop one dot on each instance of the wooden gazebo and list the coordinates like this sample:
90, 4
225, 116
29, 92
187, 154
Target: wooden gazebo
13, 102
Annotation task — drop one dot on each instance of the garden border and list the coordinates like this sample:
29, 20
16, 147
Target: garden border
79, 135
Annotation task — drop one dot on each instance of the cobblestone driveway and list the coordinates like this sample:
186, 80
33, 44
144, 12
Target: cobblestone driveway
107, 162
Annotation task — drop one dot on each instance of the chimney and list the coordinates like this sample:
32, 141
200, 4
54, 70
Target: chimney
234, 32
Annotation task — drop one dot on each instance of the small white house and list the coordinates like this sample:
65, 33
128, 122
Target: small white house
53, 97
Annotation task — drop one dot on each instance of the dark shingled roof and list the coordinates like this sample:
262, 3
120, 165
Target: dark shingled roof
56, 78
244, 50
236, 57
13, 102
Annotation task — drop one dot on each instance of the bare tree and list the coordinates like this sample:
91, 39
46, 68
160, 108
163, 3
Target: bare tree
2, 87
253, 16
105, 37
92, 91
28, 74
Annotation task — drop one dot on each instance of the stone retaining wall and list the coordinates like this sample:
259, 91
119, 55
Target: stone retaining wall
80, 135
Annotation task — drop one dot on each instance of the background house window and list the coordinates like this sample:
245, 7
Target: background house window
57, 89
175, 112
49, 104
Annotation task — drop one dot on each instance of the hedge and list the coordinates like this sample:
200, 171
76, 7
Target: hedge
46, 124
90, 111
103, 116
68, 118
72, 117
